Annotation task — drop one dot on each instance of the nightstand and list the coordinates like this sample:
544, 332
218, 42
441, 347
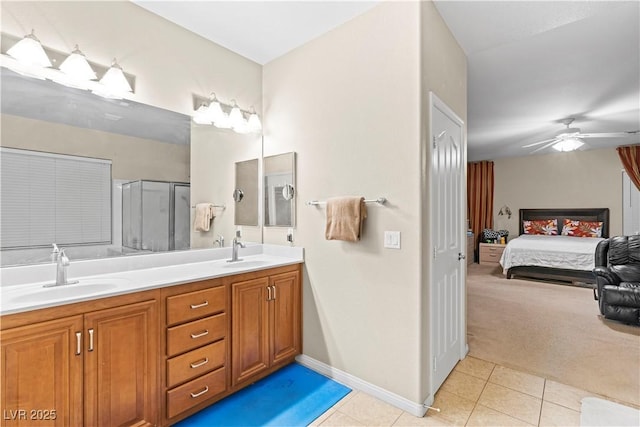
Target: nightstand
490, 253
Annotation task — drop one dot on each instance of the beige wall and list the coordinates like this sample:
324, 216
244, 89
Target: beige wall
579, 179
214, 153
133, 158
444, 72
348, 103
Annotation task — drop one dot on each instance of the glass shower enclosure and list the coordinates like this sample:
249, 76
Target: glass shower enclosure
156, 215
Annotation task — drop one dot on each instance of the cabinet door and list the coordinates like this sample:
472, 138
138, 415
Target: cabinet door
285, 316
120, 365
250, 328
42, 374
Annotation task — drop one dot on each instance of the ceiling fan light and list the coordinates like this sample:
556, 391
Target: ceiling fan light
29, 51
77, 67
568, 144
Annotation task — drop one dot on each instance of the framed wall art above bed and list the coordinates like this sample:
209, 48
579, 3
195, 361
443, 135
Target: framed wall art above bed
567, 269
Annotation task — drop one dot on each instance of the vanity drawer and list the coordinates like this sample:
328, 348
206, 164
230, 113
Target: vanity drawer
193, 305
195, 334
190, 394
196, 362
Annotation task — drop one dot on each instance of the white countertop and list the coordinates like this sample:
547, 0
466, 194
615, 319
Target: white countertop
22, 287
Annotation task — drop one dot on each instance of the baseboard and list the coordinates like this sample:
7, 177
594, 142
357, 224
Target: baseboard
356, 383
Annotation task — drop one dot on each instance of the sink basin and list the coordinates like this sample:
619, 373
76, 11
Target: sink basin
244, 264
82, 288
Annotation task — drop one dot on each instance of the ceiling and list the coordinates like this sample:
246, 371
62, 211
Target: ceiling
530, 63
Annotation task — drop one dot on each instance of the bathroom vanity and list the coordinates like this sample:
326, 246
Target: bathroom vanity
150, 346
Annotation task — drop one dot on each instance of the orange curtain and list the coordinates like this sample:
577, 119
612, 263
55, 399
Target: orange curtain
479, 197
630, 157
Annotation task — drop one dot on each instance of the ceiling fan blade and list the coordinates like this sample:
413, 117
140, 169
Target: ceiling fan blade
544, 146
541, 142
607, 135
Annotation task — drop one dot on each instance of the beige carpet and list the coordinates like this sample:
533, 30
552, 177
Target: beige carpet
551, 330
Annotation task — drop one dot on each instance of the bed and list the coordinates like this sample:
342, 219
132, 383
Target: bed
541, 265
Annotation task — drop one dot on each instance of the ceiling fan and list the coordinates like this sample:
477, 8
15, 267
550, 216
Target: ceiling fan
570, 139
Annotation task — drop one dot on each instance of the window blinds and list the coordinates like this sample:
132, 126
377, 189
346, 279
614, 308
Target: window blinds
47, 198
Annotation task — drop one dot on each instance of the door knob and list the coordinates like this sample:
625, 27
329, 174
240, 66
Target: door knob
461, 256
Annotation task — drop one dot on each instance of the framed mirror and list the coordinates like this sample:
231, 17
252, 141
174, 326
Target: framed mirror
245, 193
279, 190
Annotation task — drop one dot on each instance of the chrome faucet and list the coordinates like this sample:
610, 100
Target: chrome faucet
55, 253
219, 241
62, 263
234, 250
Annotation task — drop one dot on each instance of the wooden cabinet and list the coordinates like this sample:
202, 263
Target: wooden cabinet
95, 369
196, 346
490, 253
42, 370
120, 366
265, 325
130, 360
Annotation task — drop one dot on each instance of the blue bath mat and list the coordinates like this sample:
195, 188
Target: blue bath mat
292, 396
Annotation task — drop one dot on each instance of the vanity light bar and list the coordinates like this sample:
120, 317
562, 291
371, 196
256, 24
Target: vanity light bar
211, 111
57, 59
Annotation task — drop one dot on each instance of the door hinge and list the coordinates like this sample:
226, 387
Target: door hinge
435, 144
435, 253
435, 363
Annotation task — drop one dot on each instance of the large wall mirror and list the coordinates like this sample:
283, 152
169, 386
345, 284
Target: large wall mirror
279, 173
144, 144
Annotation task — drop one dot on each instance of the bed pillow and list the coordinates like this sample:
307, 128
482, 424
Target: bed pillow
541, 226
582, 228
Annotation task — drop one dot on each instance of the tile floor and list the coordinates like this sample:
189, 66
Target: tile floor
476, 393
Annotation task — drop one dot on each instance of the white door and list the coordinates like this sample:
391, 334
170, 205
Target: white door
447, 231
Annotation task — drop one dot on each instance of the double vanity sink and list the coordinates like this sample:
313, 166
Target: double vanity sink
172, 332
28, 288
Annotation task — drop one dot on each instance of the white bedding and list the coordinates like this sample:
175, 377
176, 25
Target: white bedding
571, 253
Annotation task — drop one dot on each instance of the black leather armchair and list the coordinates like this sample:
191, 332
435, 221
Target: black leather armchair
618, 278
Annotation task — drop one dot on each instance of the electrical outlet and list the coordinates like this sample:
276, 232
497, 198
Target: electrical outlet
290, 235
392, 239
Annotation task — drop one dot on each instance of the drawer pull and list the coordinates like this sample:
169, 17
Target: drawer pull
204, 304
197, 365
201, 334
91, 339
78, 343
194, 395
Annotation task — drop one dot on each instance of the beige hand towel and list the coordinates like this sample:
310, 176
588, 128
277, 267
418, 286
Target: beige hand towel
345, 216
203, 217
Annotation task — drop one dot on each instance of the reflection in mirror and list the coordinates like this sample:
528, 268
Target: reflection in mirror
155, 215
246, 193
279, 190
140, 141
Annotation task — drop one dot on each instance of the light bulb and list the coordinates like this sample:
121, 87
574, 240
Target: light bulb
29, 51
77, 67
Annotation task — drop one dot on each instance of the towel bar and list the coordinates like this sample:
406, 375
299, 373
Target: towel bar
379, 200
223, 207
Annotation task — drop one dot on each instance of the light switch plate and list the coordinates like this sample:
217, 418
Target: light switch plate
392, 239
